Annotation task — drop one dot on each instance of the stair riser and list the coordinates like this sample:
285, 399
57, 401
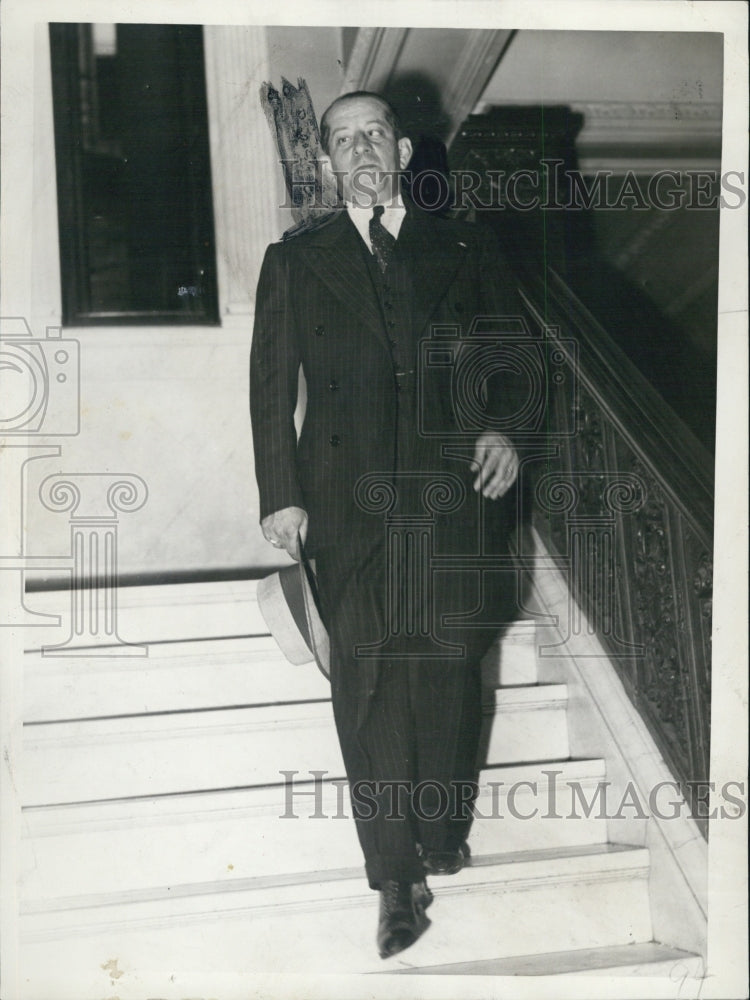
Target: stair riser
165, 612
181, 612
206, 675
74, 762
268, 835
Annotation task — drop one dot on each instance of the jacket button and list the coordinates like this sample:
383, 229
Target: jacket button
333, 385
458, 306
335, 440
319, 331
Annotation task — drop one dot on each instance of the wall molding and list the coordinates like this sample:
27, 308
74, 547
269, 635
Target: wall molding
374, 57
643, 136
656, 135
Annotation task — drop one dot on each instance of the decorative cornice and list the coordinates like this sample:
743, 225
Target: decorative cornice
643, 136
652, 110
649, 134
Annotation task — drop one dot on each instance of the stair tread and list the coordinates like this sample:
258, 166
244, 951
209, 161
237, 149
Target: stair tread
150, 615
254, 636
210, 673
222, 645
59, 817
333, 934
612, 957
349, 883
521, 696
480, 914
163, 652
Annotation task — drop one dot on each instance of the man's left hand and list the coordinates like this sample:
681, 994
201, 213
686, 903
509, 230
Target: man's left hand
497, 461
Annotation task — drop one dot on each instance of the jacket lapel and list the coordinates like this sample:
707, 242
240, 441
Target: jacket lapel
435, 261
334, 253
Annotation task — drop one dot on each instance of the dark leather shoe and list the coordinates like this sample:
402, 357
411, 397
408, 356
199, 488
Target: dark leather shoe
402, 918
422, 894
445, 862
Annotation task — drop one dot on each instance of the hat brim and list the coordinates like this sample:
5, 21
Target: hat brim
288, 605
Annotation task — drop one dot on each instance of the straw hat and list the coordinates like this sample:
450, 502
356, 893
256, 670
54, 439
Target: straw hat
288, 602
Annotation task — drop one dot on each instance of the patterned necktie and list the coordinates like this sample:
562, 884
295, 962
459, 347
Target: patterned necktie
383, 244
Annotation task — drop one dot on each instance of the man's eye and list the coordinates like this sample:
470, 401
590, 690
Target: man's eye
342, 140
376, 131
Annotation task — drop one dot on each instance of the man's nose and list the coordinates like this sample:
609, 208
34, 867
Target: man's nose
361, 142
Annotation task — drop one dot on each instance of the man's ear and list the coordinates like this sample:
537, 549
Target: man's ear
404, 151
329, 174
325, 162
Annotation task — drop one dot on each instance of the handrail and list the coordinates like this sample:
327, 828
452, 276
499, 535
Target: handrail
627, 503
657, 433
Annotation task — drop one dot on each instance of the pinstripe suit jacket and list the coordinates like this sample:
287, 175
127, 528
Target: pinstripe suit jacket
316, 307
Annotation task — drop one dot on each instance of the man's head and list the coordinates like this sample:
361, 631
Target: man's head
364, 147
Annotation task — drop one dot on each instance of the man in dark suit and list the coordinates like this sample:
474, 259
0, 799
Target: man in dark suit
381, 484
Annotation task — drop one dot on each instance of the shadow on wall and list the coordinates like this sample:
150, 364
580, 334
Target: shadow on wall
581, 243
418, 102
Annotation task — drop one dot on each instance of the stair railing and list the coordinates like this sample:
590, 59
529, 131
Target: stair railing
626, 502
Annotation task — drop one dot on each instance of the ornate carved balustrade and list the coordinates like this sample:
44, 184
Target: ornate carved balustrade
626, 503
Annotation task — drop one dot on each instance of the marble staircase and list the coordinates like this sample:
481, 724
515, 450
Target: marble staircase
186, 816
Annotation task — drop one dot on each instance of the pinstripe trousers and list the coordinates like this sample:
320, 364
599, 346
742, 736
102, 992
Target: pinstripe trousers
408, 725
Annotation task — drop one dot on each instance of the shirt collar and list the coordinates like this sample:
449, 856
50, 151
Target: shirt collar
393, 216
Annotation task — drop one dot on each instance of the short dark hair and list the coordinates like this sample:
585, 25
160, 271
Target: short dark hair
390, 114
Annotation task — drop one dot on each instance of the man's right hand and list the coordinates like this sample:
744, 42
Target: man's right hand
284, 527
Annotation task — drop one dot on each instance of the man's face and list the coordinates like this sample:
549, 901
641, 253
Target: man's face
364, 152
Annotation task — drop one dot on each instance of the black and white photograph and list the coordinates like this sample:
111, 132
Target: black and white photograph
373, 539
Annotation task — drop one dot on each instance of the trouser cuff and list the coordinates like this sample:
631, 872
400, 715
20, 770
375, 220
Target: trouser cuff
393, 867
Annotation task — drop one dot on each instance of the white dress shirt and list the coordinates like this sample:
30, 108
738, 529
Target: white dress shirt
392, 218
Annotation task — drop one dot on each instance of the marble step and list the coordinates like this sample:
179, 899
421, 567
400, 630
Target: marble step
512, 658
166, 753
504, 905
183, 676
649, 959
163, 612
223, 836
212, 673
185, 612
